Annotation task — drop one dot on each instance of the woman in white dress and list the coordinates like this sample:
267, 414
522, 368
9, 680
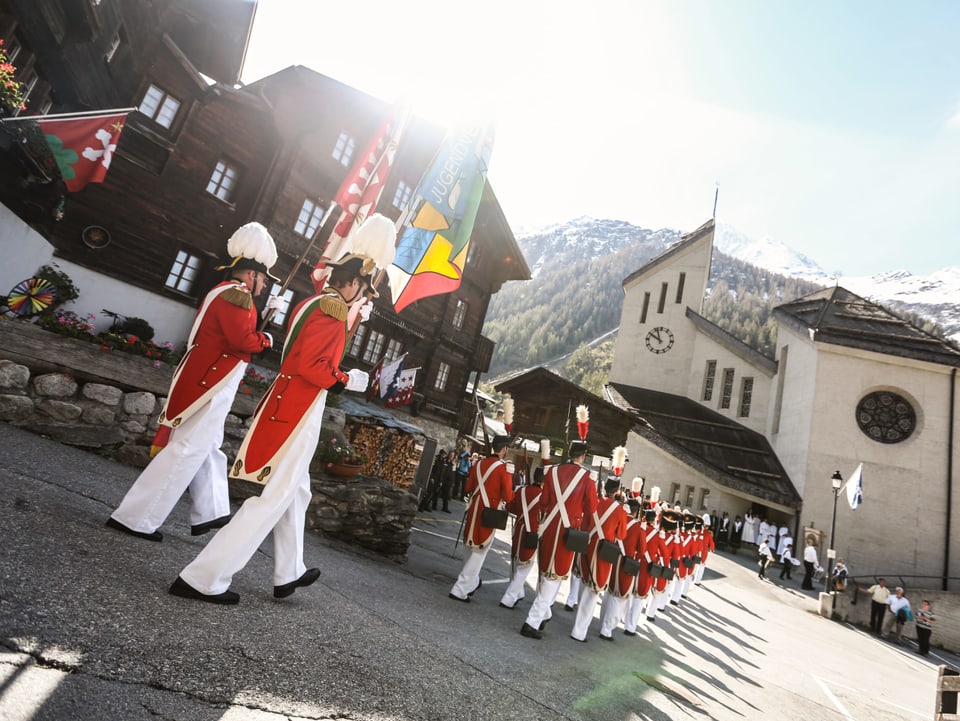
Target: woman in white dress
782, 535
766, 532
749, 530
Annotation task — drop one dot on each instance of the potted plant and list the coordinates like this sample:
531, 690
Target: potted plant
340, 458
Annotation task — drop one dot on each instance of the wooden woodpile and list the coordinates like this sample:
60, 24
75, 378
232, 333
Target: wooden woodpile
393, 455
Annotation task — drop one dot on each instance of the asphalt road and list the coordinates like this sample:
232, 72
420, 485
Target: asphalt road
89, 631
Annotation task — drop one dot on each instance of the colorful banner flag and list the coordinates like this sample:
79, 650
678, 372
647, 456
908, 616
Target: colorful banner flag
360, 191
390, 378
374, 388
855, 488
432, 251
83, 146
404, 396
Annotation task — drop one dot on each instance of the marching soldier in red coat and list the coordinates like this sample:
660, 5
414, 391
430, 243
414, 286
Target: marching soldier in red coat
280, 443
607, 525
623, 585
649, 558
569, 498
666, 546
686, 550
187, 447
707, 546
488, 484
525, 507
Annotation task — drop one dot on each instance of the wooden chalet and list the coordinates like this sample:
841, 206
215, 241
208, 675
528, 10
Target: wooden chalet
202, 156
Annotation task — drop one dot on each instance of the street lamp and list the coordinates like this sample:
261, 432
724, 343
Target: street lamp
836, 480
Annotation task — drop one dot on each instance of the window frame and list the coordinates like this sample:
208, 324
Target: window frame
746, 396
726, 387
279, 317
231, 188
373, 348
312, 224
161, 105
344, 148
460, 313
183, 258
442, 377
402, 195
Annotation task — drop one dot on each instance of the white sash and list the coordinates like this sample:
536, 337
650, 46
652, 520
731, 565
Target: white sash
598, 523
646, 553
526, 509
561, 506
482, 478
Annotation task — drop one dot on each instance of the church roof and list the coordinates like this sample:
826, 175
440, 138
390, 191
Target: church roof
685, 242
723, 450
837, 316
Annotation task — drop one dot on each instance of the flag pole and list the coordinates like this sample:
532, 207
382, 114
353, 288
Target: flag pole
78, 114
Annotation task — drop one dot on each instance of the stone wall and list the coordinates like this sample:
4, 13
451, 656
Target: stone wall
120, 424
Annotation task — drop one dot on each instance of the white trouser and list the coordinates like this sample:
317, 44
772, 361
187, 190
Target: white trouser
515, 589
573, 593
612, 612
193, 460
585, 610
281, 508
653, 602
634, 610
698, 574
546, 595
667, 594
469, 578
687, 583
678, 584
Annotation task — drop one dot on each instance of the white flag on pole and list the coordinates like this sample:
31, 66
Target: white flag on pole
855, 488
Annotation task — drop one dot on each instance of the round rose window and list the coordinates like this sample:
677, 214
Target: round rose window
886, 417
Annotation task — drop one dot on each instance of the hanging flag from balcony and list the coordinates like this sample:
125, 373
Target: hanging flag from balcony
404, 396
390, 378
360, 191
83, 146
432, 250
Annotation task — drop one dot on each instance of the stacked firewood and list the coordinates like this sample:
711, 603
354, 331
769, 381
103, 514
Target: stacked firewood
391, 454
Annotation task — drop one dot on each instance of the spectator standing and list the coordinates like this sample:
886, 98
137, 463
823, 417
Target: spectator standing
461, 471
925, 620
879, 593
736, 533
765, 557
898, 614
750, 530
838, 578
432, 492
786, 558
809, 564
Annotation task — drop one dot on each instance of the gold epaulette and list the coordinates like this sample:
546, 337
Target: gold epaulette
334, 306
238, 295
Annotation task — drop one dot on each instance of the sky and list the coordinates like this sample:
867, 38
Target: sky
833, 127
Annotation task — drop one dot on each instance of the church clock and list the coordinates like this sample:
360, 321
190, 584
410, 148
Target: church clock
659, 339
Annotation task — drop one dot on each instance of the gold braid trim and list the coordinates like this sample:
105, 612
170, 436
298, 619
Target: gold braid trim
238, 295
334, 306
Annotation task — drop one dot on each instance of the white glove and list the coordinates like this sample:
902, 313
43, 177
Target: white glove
276, 303
358, 380
365, 311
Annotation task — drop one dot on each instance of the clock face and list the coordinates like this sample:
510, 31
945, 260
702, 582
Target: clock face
659, 339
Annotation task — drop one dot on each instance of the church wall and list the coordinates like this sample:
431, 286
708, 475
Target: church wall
641, 359
901, 525
706, 349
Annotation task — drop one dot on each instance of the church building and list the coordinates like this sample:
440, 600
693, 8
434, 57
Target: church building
727, 428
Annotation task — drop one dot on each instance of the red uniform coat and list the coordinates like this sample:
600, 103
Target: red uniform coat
497, 486
706, 545
684, 545
528, 496
224, 335
608, 522
311, 364
668, 552
571, 482
652, 554
634, 544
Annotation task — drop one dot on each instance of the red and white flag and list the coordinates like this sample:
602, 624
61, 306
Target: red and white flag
83, 146
404, 396
390, 378
374, 388
360, 190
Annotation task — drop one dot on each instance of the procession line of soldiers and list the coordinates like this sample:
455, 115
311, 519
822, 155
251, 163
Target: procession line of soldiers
638, 555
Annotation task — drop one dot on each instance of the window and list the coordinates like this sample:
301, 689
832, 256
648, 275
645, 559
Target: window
28, 83
159, 106
459, 314
356, 343
374, 349
279, 316
704, 498
674, 494
680, 282
394, 348
708, 378
746, 395
688, 497
343, 150
727, 391
309, 219
663, 298
646, 307
183, 274
443, 374
402, 197
222, 181
13, 49
114, 44
781, 376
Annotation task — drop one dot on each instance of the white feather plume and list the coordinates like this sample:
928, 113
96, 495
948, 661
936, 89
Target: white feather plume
583, 414
619, 457
637, 484
655, 494
254, 242
545, 448
508, 410
376, 238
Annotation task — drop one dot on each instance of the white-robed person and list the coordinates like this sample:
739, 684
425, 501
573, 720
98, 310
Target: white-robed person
749, 529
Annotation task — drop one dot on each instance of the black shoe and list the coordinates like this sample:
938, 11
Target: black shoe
479, 585
530, 632
185, 590
606, 638
567, 607
652, 619
202, 528
503, 605
674, 603
155, 536
457, 598
287, 589
628, 633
